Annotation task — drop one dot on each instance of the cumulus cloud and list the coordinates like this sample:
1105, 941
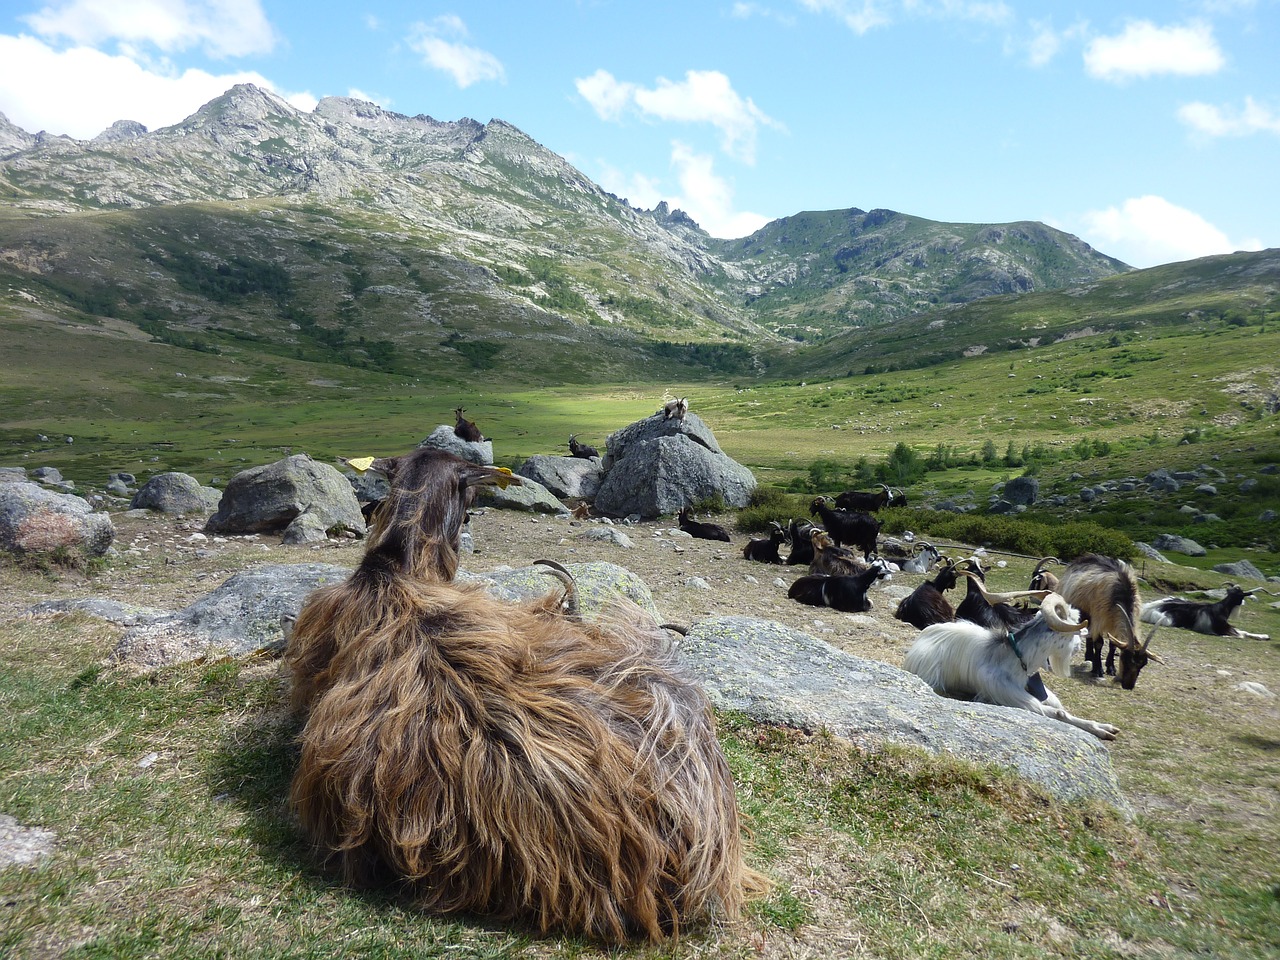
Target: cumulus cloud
701, 193
1214, 121
1145, 231
441, 43
222, 28
704, 96
80, 91
1144, 50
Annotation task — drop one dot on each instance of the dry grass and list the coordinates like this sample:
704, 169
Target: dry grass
896, 854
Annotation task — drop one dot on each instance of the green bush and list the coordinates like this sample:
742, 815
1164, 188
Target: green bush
1066, 540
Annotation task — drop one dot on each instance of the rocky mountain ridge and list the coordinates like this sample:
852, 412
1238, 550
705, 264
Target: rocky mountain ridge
494, 197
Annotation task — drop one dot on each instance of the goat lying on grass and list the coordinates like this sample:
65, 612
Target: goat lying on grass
504, 759
700, 530
969, 660
1210, 618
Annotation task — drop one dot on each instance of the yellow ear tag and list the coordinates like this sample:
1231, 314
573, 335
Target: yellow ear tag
360, 463
503, 481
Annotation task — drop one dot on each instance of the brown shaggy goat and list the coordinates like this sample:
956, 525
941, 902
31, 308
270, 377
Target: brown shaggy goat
504, 759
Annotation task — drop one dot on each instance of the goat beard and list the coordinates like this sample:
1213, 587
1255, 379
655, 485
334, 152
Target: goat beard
507, 762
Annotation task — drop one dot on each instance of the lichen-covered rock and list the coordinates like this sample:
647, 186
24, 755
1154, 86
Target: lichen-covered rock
269, 498
528, 495
241, 617
34, 520
565, 477
598, 584
779, 675
175, 494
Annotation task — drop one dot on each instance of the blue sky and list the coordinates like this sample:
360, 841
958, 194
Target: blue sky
1149, 129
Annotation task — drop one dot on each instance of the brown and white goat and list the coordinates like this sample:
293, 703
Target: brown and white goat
675, 409
504, 759
830, 559
1105, 591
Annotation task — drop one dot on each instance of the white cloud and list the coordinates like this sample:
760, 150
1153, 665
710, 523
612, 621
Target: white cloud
704, 96
701, 193
441, 46
223, 28
80, 92
1144, 50
608, 96
355, 93
1214, 121
1145, 231
1046, 42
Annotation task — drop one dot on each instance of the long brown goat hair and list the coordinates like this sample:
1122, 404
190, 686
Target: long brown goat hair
505, 759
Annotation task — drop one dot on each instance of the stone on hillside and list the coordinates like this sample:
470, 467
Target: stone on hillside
655, 467
528, 495
175, 494
1150, 552
569, 478
778, 675
269, 498
1241, 568
13, 475
1176, 544
1022, 490
241, 617
22, 846
47, 475
34, 520
444, 438
1161, 481
606, 534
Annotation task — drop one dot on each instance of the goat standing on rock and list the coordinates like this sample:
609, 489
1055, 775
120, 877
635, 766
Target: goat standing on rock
505, 759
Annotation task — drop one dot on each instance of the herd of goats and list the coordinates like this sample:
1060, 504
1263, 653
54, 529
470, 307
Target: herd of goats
521, 763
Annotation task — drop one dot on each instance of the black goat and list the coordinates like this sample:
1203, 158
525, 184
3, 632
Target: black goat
1210, 618
466, 429
927, 603
865, 502
581, 450
856, 529
976, 607
766, 550
702, 531
846, 594
800, 533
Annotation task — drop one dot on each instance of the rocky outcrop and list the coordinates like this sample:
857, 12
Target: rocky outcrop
779, 675
268, 499
34, 520
658, 466
569, 478
175, 494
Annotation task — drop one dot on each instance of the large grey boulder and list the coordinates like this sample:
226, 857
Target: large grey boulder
268, 499
175, 494
1175, 544
34, 520
1240, 568
568, 478
655, 467
1022, 491
242, 616
527, 495
444, 438
779, 675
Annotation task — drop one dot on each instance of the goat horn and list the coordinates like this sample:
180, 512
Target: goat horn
570, 600
994, 598
679, 628
1055, 610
